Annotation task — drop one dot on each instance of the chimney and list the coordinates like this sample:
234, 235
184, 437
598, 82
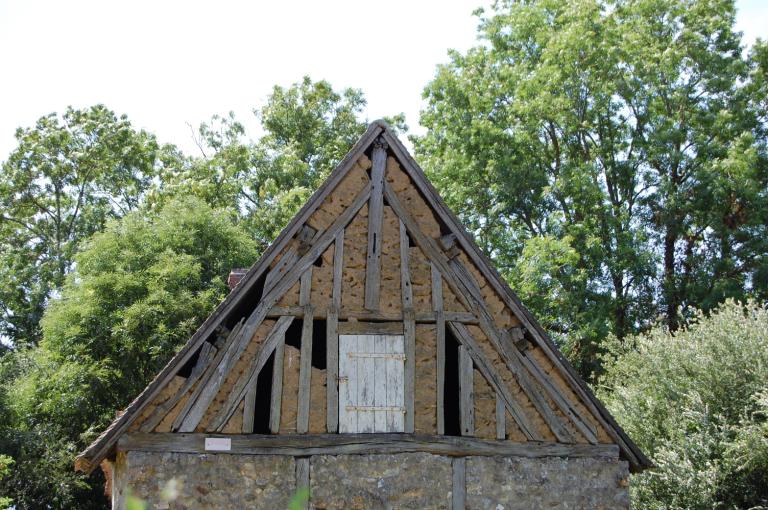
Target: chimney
235, 276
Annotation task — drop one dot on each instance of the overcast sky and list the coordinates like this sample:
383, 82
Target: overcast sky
166, 63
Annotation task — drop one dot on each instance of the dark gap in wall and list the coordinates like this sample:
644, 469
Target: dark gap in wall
451, 387
189, 365
293, 333
247, 303
318, 344
411, 244
318, 261
263, 406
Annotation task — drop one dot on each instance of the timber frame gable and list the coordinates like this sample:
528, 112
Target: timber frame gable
375, 253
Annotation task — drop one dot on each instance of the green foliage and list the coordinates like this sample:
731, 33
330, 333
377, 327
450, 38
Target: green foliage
139, 290
66, 178
629, 133
307, 128
696, 402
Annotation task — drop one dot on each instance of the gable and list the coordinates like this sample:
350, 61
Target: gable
374, 251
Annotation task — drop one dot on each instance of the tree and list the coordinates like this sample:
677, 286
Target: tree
139, 290
696, 402
619, 132
66, 178
307, 128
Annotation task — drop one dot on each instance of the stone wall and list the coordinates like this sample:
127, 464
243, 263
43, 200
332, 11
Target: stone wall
407, 480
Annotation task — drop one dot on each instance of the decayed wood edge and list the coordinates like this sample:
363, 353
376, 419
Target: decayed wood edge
276, 398
637, 459
90, 458
419, 317
332, 338
375, 221
409, 331
340, 444
459, 483
466, 391
207, 352
437, 305
501, 418
466, 339
433, 253
209, 373
238, 345
370, 328
305, 372
302, 476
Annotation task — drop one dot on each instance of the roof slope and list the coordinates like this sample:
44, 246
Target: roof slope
252, 288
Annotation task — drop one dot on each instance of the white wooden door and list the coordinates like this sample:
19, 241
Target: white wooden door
371, 383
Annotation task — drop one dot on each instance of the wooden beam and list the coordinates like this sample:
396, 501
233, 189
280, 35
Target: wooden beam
501, 418
345, 315
251, 373
353, 444
370, 328
305, 372
286, 261
206, 354
249, 409
375, 220
409, 329
237, 346
459, 484
332, 338
437, 305
466, 393
302, 477
276, 398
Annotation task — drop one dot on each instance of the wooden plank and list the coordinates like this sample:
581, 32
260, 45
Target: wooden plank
466, 393
302, 477
249, 409
352, 444
211, 371
207, 353
251, 373
405, 271
305, 372
463, 335
380, 346
276, 399
370, 328
437, 305
237, 346
409, 329
286, 261
347, 384
459, 484
365, 384
395, 384
375, 221
501, 418
332, 337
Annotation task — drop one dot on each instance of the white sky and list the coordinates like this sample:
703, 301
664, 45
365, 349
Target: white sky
166, 63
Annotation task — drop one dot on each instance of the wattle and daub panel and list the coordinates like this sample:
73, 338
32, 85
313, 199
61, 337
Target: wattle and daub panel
459, 364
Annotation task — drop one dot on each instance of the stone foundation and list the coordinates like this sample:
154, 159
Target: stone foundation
406, 480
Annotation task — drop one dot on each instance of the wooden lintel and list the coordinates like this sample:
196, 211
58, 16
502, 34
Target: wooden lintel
375, 222
340, 444
345, 315
370, 328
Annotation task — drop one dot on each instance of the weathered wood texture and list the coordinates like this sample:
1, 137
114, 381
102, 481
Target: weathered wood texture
466, 393
340, 444
375, 219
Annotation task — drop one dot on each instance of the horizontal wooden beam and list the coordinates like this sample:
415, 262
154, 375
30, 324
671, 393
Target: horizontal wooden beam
353, 444
370, 328
343, 315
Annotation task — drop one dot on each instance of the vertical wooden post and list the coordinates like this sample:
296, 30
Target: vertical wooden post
501, 418
437, 306
302, 476
305, 361
459, 484
375, 217
276, 401
249, 409
466, 390
409, 328
332, 338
